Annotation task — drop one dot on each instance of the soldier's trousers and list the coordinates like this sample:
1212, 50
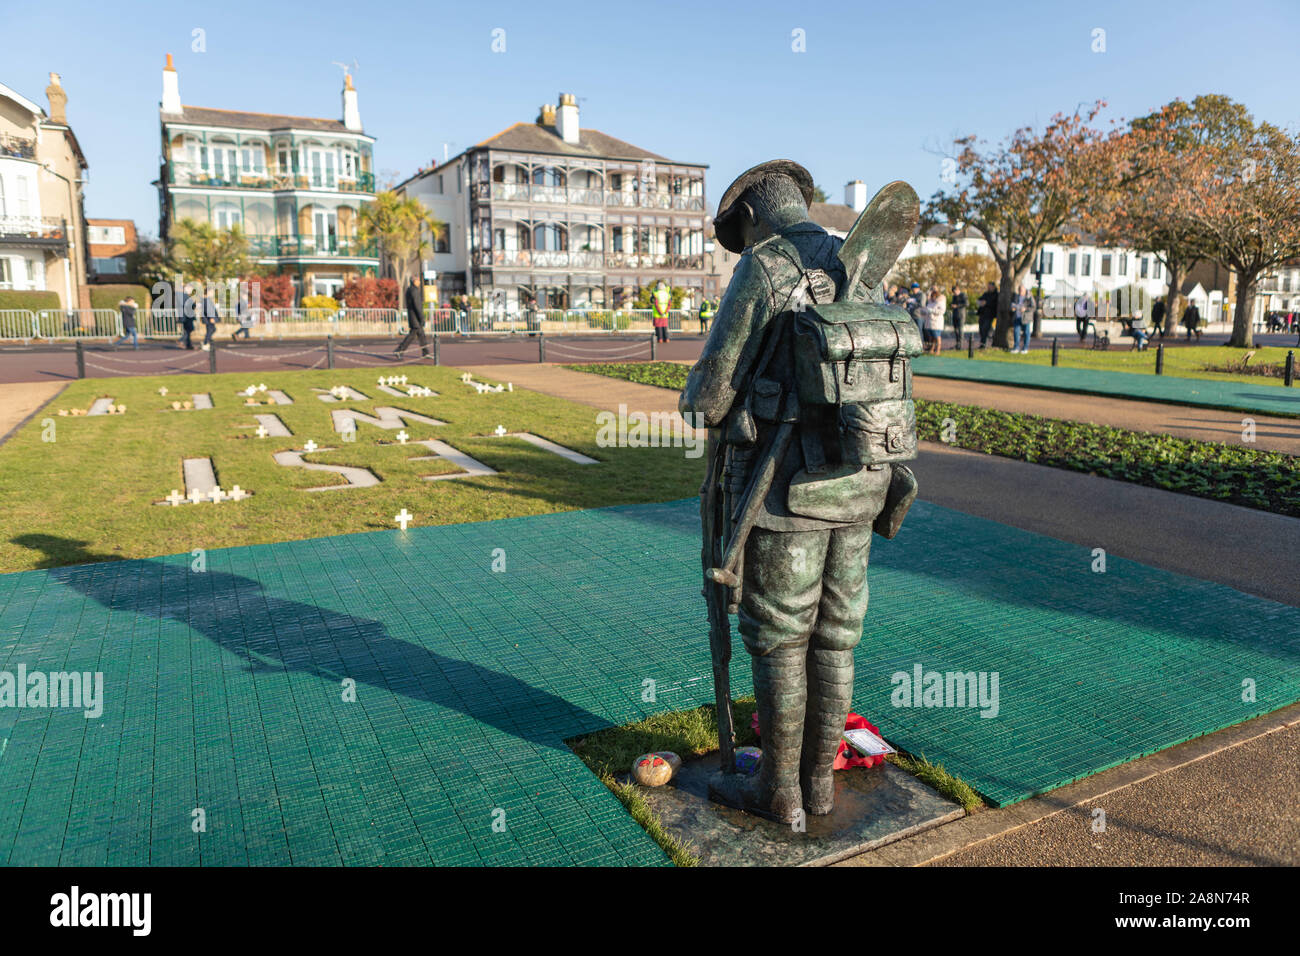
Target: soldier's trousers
805, 596
805, 589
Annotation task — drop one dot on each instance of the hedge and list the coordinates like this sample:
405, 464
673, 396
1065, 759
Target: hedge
12, 299
108, 296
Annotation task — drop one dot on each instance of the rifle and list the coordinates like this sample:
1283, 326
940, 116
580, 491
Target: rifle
715, 598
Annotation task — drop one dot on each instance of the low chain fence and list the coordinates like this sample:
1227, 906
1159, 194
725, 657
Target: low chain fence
25, 325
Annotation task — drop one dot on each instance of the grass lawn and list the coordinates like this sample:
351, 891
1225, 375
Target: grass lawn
1239, 474
1180, 361
88, 494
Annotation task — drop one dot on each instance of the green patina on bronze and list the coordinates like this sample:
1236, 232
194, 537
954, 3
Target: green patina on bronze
805, 386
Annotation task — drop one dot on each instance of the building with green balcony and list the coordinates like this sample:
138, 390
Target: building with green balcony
293, 184
555, 215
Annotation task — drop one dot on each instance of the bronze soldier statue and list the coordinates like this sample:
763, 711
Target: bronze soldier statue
805, 385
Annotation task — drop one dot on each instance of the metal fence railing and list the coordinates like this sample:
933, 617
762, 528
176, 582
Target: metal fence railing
62, 324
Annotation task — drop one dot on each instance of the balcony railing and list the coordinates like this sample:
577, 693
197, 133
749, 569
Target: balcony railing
291, 247
182, 174
524, 192
17, 147
546, 259
32, 227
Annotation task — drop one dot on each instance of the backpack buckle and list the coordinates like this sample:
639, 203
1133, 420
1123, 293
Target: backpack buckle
895, 369
848, 361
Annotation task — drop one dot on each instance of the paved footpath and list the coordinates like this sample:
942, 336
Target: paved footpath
1267, 399
18, 402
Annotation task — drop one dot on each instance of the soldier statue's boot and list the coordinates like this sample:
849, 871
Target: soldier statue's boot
781, 691
830, 694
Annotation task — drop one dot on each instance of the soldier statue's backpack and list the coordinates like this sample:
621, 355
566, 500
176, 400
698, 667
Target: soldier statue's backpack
854, 360
842, 371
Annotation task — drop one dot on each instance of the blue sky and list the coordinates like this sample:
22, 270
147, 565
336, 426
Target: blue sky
880, 90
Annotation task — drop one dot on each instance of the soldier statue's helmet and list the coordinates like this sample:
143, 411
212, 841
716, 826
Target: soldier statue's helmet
726, 227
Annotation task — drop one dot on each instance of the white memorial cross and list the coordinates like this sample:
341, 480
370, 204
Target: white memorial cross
216, 494
501, 430
237, 493
175, 498
402, 436
196, 495
162, 390
261, 431
310, 446
403, 517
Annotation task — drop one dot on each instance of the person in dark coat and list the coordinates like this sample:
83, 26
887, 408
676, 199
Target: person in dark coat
414, 319
210, 314
127, 307
1158, 317
1192, 320
958, 313
185, 312
987, 313
244, 315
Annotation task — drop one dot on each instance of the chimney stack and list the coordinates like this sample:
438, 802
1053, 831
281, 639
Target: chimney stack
855, 195
546, 116
58, 101
171, 101
351, 111
567, 126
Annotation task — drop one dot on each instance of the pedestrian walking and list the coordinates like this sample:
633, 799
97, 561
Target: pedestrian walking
1082, 311
958, 313
414, 319
1192, 321
127, 308
986, 313
185, 313
1158, 317
1022, 315
244, 315
210, 315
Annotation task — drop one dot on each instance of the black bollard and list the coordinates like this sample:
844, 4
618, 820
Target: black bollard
81, 361
654, 346
329, 351
541, 348
437, 360
212, 357
1288, 375
1160, 359
970, 346
1056, 351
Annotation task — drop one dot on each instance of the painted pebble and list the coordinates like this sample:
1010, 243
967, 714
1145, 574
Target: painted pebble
656, 769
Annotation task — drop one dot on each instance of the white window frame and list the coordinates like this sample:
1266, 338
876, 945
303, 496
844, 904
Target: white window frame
325, 225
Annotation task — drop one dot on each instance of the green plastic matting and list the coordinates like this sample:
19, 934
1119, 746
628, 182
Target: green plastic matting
1236, 396
226, 690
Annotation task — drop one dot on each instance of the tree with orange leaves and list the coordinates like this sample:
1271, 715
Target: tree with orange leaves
1250, 212
1161, 178
1024, 193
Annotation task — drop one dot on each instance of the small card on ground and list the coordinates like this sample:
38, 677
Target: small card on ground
867, 743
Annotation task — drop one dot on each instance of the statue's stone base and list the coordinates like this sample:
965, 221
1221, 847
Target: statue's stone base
872, 807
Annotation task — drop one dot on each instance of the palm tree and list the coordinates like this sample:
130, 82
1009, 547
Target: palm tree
398, 225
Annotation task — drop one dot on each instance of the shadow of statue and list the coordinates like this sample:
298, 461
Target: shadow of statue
272, 633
